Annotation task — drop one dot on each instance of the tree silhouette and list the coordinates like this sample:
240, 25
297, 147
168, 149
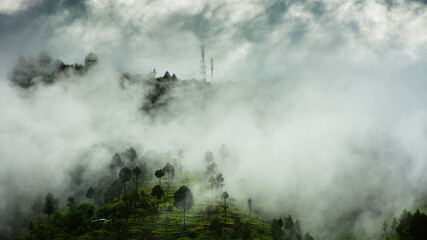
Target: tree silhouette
116, 161
280, 225
125, 175
275, 229
50, 205
157, 192
172, 174
89, 194
159, 174
308, 237
167, 169
394, 224
91, 60
250, 205
136, 171
212, 181
70, 203
183, 199
211, 169
297, 229
219, 181
225, 196
209, 157
289, 225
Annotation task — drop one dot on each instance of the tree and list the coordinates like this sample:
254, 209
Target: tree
131, 154
167, 169
50, 205
394, 224
209, 157
250, 205
308, 237
211, 169
289, 225
136, 171
276, 229
91, 60
70, 203
219, 181
297, 230
89, 194
172, 174
385, 227
183, 199
212, 181
159, 174
124, 176
157, 192
225, 196
280, 224
116, 161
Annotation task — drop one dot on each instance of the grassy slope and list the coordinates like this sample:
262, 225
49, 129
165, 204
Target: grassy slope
198, 219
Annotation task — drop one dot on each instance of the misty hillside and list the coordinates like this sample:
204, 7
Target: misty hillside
314, 110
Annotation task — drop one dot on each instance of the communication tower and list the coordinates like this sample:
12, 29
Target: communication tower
202, 64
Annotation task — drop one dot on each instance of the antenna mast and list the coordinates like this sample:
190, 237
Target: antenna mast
202, 64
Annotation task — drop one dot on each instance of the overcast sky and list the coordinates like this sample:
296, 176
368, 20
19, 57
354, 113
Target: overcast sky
329, 115
257, 38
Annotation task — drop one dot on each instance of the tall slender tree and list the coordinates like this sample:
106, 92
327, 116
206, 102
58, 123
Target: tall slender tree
89, 194
225, 196
167, 169
250, 205
50, 205
157, 192
184, 199
125, 175
159, 174
136, 171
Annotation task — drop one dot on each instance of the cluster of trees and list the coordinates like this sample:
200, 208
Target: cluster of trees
215, 177
158, 93
410, 226
28, 71
287, 229
82, 217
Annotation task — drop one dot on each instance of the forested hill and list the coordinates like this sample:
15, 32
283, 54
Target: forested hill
113, 185
163, 204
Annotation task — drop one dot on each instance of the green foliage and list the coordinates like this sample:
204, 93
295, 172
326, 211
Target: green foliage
412, 226
136, 171
183, 198
134, 216
157, 192
124, 176
50, 205
89, 193
159, 174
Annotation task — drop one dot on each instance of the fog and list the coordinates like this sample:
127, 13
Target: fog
321, 104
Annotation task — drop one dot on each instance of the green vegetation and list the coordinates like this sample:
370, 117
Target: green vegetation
113, 209
135, 216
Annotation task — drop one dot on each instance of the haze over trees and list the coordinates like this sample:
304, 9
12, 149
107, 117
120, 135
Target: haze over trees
125, 175
183, 199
